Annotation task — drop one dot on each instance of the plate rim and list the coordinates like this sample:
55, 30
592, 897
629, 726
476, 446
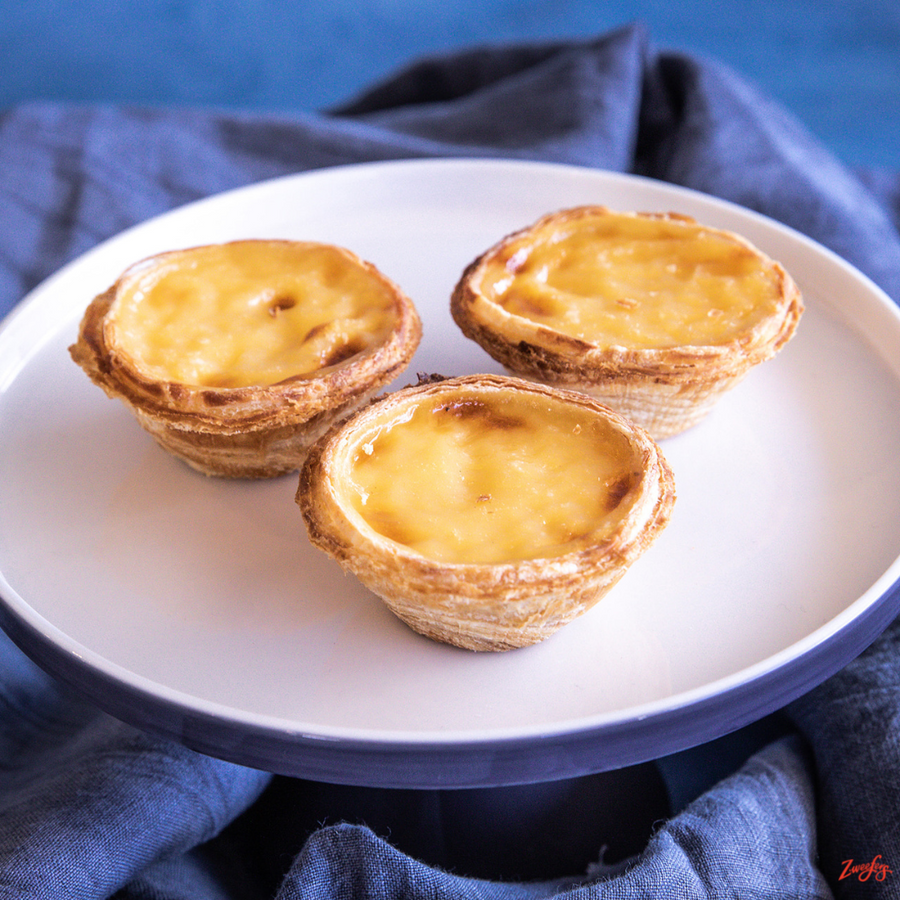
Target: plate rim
40, 639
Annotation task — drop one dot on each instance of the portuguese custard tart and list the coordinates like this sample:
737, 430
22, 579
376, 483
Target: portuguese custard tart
486, 511
653, 313
237, 356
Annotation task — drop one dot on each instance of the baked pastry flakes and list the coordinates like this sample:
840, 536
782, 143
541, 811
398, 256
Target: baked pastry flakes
486, 511
237, 356
652, 313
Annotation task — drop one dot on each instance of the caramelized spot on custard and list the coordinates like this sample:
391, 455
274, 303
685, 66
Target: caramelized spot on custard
315, 332
281, 304
488, 415
635, 281
617, 490
342, 353
488, 480
250, 312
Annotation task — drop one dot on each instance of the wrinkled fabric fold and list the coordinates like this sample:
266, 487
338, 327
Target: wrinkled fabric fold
852, 724
91, 808
752, 835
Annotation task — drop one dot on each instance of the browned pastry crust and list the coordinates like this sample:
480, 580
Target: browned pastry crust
665, 389
255, 431
494, 605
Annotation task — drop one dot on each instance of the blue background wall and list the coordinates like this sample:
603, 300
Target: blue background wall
835, 64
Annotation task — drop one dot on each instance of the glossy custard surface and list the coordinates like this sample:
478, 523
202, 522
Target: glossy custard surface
633, 281
482, 480
250, 313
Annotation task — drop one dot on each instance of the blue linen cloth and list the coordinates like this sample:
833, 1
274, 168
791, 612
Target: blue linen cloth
92, 808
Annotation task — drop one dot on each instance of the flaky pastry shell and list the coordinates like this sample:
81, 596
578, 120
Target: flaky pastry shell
578, 492
223, 426
667, 382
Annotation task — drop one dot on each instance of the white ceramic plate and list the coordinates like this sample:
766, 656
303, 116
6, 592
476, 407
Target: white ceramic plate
196, 608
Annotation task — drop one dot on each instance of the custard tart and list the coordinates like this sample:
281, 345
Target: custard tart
654, 314
486, 511
237, 356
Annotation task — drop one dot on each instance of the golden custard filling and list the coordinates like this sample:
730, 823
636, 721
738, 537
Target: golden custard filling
634, 281
251, 313
475, 480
